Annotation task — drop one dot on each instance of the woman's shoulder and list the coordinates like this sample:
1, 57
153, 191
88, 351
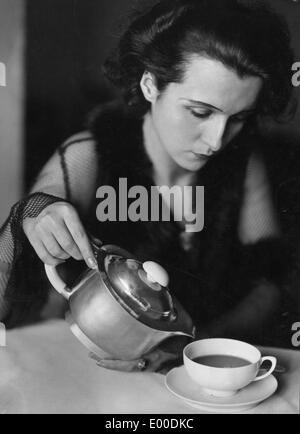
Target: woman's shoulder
113, 138
83, 138
80, 147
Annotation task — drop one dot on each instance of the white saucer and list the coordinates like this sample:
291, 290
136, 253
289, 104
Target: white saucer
179, 383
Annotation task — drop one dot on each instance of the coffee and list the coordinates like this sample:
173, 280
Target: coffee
222, 361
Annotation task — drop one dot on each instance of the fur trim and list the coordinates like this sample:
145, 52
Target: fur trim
202, 271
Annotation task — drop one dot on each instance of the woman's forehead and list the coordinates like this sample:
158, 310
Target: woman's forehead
210, 81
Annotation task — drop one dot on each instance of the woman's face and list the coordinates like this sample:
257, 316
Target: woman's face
196, 118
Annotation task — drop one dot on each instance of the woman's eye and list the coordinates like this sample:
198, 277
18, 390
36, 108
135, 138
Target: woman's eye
200, 115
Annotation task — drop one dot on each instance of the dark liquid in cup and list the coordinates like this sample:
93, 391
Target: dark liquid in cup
221, 361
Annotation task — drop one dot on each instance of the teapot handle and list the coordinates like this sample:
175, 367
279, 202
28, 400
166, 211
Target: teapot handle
56, 281
112, 249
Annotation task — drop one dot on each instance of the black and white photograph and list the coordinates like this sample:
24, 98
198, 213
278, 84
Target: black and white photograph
149, 209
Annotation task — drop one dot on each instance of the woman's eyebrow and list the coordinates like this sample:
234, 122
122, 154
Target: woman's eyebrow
205, 104
202, 104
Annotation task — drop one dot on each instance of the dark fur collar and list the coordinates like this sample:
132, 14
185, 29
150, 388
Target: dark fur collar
121, 154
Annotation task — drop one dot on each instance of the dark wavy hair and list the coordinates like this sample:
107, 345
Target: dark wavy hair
245, 35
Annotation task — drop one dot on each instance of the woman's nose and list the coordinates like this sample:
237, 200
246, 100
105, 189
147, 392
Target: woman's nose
213, 134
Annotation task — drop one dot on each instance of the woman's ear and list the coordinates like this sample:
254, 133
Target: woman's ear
148, 86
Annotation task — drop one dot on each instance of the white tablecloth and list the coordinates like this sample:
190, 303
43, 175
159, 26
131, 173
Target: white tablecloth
44, 369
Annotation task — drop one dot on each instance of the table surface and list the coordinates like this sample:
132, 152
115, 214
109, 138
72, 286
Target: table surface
45, 370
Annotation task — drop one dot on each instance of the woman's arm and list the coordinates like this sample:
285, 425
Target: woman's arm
57, 233
70, 174
72, 171
4, 276
258, 219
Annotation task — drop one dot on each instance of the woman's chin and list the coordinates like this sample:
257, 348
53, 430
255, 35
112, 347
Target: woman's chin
192, 164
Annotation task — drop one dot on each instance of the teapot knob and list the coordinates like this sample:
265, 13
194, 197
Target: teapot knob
156, 273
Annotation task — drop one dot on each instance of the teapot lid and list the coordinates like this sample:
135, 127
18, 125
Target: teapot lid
141, 288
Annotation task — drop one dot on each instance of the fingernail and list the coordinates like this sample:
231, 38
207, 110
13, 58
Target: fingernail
92, 263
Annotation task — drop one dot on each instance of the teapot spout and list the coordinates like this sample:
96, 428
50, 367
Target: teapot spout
181, 323
190, 334
162, 335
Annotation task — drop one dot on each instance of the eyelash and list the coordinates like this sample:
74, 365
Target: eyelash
200, 115
207, 114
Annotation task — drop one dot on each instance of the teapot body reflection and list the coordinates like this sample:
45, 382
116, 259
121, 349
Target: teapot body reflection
123, 309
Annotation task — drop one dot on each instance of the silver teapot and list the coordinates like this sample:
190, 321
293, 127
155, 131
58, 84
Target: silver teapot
123, 309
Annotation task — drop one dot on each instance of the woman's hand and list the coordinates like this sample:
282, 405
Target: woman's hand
57, 234
163, 358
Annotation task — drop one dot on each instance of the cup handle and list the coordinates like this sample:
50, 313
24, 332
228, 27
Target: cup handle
273, 360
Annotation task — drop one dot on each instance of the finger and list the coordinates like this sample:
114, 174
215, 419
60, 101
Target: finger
65, 239
156, 361
28, 223
80, 237
119, 365
43, 253
93, 356
53, 246
157, 358
95, 241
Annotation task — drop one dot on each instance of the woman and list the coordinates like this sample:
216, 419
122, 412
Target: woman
195, 77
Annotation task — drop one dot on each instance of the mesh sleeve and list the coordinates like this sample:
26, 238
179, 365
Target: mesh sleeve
80, 166
60, 180
71, 173
4, 277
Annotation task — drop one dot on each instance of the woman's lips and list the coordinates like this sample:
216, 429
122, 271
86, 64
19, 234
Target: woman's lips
201, 156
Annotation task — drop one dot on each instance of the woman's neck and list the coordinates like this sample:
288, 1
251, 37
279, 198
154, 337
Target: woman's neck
166, 170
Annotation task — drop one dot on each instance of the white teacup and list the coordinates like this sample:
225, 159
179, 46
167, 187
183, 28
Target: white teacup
224, 366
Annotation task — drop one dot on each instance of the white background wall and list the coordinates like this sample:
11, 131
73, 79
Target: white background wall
11, 103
